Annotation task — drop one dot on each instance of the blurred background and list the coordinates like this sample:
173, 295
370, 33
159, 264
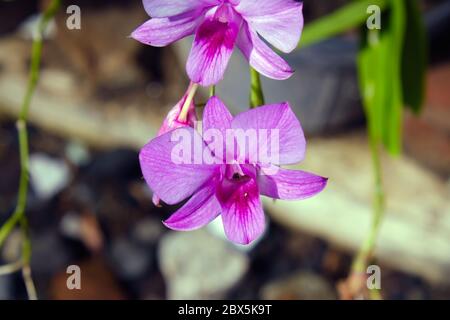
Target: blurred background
102, 96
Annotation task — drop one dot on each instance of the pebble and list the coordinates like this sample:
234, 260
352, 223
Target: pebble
197, 265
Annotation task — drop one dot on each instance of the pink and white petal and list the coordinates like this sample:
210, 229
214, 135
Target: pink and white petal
290, 184
280, 22
213, 45
261, 57
172, 177
156, 200
281, 124
165, 8
216, 115
242, 215
159, 32
200, 210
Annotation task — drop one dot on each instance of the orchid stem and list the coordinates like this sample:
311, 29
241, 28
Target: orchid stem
187, 103
19, 213
212, 91
366, 251
256, 91
11, 268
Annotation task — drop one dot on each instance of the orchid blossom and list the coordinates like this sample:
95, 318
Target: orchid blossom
181, 115
231, 189
219, 25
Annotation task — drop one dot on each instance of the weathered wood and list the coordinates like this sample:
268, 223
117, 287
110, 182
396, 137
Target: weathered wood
77, 120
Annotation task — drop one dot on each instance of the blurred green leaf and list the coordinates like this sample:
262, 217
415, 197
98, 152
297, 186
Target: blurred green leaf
351, 16
393, 78
371, 68
414, 58
380, 70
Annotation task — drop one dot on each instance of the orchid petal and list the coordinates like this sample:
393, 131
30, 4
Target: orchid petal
280, 22
216, 120
280, 123
200, 210
290, 184
213, 45
216, 115
164, 8
159, 32
261, 57
171, 179
243, 215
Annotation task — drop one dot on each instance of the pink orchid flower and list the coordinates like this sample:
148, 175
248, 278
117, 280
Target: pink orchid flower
218, 26
181, 115
230, 189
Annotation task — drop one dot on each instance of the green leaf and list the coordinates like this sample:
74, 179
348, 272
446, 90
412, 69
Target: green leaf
371, 68
380, 73
414, 58
351, 16
393, 78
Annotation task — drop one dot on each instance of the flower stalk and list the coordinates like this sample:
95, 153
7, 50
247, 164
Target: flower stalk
212, 91
19, 217
256, 91
187, 103
367, 249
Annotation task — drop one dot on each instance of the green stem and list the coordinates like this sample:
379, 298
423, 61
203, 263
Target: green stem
212, 91
19, 213
366, 251
256, 91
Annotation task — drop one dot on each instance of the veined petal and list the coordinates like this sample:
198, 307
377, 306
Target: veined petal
280, 22
172, 167
213, 45
280, 123
167, 8
290, 184
159, 32
260, 56
216, 115
200, 210
242, 215
216, 120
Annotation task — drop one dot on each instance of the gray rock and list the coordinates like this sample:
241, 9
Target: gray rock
300, 286
48, 175
77, 153
6, 292
129, 260
197, 265
50, 254
147, 231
